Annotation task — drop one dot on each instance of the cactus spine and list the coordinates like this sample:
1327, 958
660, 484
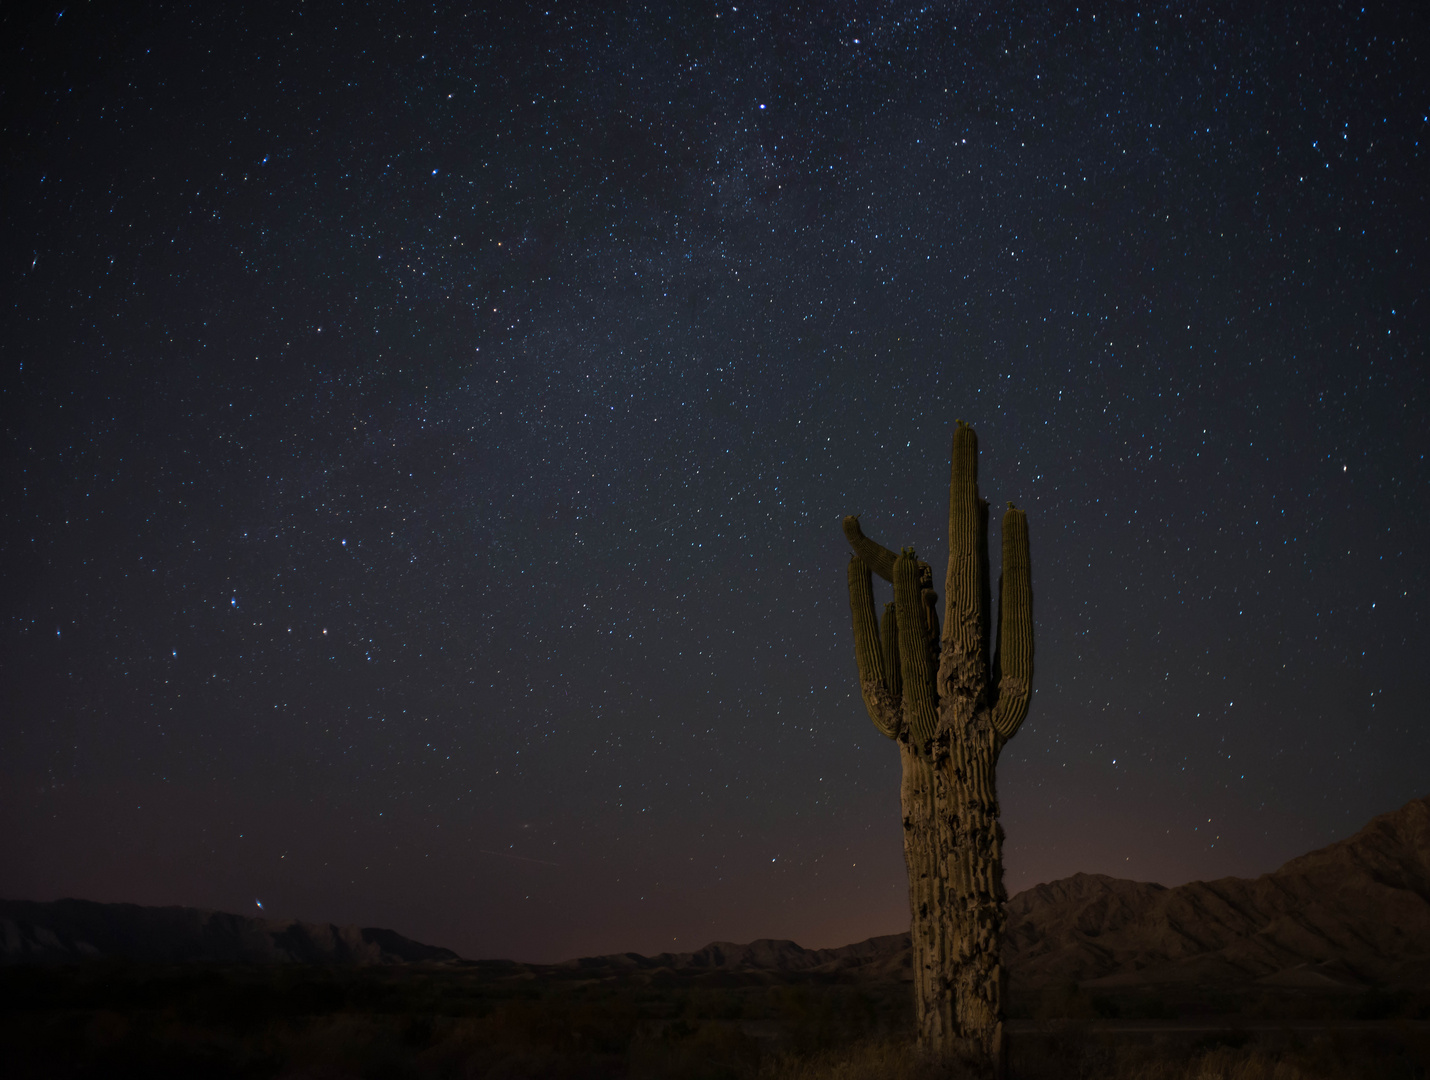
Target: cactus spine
950, 706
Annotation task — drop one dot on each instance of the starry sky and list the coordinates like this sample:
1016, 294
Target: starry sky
426, 432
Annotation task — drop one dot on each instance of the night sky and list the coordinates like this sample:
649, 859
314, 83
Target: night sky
426, 432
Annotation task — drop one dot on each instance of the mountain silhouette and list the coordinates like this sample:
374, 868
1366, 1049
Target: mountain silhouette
1353, 914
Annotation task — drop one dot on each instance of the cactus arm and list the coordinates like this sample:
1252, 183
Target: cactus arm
889, 630
883, 706
965, 616
879, 558
915, 644
1013, 663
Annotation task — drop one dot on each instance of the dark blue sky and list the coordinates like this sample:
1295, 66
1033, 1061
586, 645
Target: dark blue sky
426, 434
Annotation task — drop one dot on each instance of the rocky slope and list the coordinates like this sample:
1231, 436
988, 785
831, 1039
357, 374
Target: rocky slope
1354, 913
69, 930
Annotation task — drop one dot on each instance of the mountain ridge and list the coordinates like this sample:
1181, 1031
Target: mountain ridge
73, 930
1354, 913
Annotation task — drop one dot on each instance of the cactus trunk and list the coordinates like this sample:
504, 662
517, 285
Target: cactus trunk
968, 835
920, 857
951, 707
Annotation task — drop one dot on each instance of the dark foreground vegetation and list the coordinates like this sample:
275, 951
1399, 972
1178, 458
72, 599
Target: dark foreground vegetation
117, 1019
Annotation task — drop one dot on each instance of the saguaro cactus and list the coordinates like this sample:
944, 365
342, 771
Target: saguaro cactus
950, 706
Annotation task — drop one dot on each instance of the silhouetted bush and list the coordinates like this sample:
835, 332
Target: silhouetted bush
1378, 1004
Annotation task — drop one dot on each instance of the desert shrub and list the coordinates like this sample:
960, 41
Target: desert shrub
1067, 1002
815, 1018
1127, 1007
712, 1050
876, 1059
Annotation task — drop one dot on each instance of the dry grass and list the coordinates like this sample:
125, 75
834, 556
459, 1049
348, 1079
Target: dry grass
1330, 1057
1325, 1058
875, 1060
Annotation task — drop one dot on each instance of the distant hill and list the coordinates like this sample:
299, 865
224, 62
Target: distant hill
70, 930
884, 957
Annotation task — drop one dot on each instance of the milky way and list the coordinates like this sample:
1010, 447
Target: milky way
426, 437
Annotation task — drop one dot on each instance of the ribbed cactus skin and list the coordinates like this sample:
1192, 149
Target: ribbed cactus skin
879, 558
889, 636
919, 697
951, 707
1013, 663
964, 592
